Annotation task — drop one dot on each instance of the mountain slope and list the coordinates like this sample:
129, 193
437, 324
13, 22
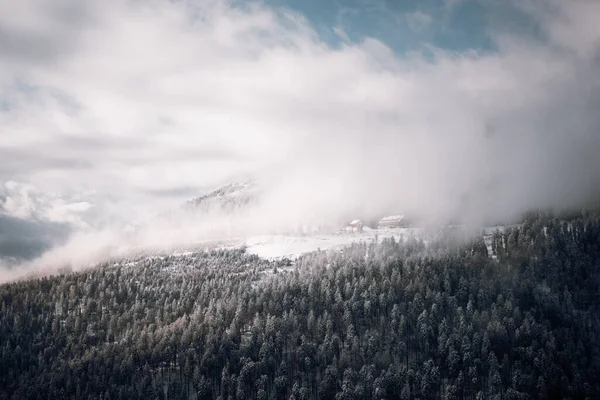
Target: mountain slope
227, 198
382, 320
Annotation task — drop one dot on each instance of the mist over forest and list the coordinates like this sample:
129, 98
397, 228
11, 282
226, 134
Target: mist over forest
334, 126
281, 199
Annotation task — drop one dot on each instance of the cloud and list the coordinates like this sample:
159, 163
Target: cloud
144, 101
32, 223
26, 202
22, 239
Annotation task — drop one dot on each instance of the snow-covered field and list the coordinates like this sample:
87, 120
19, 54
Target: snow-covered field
292, 246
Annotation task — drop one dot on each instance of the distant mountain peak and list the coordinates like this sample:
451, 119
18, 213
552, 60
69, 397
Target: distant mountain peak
227, 198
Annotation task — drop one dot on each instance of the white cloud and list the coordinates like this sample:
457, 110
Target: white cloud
132, 99
570, 25
26, 202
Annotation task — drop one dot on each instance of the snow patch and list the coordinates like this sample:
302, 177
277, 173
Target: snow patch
290, 246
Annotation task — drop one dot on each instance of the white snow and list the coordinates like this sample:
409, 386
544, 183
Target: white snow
392, 218
182, 253
290, 246
490, 230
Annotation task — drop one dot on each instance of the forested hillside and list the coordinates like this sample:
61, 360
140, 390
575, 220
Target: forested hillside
373, 321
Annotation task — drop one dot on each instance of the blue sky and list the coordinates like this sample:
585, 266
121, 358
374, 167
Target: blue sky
404, 25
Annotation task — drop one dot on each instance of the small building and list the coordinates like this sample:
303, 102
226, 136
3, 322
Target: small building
393, 221
356, 226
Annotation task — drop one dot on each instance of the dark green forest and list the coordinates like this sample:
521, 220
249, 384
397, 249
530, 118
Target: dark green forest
381, 320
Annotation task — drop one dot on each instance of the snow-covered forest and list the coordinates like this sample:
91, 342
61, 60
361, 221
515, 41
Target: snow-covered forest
375, 320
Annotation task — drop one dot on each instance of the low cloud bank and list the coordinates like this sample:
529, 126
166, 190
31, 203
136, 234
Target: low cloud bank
148, 104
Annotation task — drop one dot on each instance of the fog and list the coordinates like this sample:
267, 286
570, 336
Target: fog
151, 105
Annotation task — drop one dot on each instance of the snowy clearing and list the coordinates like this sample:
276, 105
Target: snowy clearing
291, 246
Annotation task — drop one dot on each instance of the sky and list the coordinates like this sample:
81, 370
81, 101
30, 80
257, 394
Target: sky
113, 111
